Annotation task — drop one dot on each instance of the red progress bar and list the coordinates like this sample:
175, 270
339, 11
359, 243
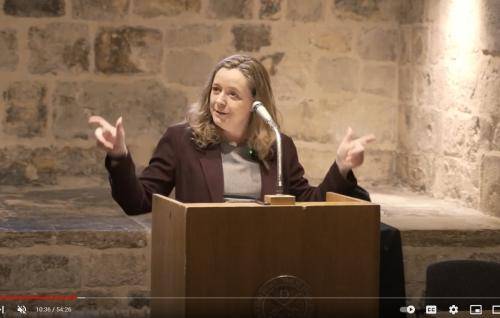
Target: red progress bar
38, 297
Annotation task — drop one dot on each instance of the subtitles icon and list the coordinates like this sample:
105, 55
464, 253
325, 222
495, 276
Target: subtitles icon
431, 309
476, 309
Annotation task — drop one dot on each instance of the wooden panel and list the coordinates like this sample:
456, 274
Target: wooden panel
168, 257
243, 247
218, 255
336, 197
341, 255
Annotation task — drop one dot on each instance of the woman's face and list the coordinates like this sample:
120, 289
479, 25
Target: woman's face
230, 103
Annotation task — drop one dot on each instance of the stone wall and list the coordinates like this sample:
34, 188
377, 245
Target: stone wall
449, 116
333, 63
73, 242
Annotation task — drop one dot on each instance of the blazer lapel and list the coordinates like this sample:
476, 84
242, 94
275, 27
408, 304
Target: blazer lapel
211, 164
268, 179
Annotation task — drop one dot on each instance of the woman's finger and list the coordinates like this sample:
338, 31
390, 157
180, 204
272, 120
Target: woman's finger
109, 136
100, 121
99, 135
349, 135
366, 139
120, 132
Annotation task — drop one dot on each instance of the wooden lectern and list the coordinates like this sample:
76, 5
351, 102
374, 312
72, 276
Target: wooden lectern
310, 259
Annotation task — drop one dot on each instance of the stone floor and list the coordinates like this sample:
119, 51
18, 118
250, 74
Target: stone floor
87, 218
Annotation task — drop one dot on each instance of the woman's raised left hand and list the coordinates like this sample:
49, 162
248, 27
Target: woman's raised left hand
350, 153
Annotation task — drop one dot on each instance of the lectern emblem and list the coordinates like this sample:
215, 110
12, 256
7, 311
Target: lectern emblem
283, 296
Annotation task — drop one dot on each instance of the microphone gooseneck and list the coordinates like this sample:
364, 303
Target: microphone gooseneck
260, 109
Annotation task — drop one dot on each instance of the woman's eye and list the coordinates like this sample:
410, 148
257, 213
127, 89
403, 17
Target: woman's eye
215, 89
233, 94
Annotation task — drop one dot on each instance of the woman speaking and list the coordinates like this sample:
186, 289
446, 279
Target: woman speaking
223, 150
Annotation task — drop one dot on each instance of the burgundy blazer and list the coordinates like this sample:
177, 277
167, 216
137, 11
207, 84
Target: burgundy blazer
197, 175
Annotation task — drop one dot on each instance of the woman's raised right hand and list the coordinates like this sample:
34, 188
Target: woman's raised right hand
110, 138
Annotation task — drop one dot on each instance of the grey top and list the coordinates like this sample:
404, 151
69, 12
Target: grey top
242, 178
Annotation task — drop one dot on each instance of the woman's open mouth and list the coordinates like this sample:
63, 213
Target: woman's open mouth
220, 113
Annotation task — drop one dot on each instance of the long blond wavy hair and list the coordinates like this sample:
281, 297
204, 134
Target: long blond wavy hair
260, 135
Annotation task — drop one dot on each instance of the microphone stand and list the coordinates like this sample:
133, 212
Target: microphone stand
279, 152
279, 198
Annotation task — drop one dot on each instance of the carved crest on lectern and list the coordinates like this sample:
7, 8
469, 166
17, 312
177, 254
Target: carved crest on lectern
284, 296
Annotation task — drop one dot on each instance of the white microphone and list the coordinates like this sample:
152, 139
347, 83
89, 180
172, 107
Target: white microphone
261, 110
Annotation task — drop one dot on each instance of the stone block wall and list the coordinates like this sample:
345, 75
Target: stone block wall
449, 109
333, 63
73, 242
424, 248
115, 280
409, 71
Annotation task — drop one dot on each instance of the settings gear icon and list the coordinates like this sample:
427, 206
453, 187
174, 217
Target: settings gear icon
453, 310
